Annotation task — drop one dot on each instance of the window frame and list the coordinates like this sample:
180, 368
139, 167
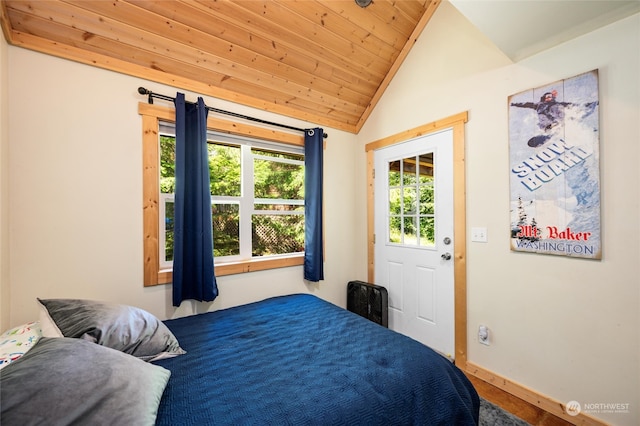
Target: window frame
250, 151
401, 187
151, 115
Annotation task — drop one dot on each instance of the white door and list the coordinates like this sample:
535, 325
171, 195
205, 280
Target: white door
414, 237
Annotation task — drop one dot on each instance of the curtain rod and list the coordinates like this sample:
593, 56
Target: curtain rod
152, 95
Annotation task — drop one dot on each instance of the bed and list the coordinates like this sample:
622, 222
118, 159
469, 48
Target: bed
300, 360
289, 360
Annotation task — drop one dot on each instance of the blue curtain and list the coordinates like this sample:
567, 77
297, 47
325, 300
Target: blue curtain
193, 273
313, 252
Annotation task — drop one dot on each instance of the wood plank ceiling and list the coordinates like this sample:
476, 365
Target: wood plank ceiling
326, 62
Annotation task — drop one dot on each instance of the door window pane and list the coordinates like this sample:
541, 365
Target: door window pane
427, 206
410, 231
427, 200
427, 229
394, 173
426, 168
409, 171
411, 195
395, 229
394, 201
409, 201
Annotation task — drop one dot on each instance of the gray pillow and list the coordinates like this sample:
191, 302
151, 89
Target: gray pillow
63, 381
122, 327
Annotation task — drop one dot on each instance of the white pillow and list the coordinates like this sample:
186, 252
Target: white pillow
16, 342
47, 324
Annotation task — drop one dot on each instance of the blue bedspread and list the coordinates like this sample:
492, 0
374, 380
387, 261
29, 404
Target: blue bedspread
299, 360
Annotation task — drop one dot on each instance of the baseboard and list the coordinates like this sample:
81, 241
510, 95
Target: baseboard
543, 402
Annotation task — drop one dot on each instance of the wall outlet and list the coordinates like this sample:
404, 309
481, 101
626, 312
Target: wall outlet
479, 235
483, 335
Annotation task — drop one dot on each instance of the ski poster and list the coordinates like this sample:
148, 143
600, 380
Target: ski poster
555, 168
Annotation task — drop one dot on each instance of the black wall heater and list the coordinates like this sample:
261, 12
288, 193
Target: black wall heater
368, 300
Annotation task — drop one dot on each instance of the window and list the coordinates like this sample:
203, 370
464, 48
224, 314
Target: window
411, 201
257, 197
257, 187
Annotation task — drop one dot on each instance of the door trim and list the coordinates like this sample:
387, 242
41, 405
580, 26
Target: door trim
455, 122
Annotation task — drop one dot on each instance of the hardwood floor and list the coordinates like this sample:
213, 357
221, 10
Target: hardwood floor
516, 406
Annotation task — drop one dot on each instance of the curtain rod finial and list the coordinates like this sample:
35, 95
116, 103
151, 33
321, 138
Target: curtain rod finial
144, 91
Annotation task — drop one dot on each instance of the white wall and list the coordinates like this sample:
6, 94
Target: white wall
75, 195
567, 328
4, 188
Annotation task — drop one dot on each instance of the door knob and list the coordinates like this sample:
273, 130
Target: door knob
446, 256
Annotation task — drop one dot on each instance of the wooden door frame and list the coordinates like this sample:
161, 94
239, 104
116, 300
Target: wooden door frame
455, 122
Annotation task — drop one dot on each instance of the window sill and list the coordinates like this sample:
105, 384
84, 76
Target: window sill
165, 276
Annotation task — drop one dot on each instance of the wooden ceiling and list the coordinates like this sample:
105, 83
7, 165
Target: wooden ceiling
326, 62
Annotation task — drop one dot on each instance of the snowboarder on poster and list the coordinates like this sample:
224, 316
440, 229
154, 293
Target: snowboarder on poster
550, 115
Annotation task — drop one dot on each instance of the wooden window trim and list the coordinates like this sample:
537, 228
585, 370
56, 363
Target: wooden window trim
151, 117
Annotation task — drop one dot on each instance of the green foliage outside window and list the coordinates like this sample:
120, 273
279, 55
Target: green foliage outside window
281, 233
278, 233
411, 202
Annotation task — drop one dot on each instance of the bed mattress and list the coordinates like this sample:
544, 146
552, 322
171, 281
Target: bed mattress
299, 360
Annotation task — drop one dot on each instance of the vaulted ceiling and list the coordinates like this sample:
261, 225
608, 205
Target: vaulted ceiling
326, 62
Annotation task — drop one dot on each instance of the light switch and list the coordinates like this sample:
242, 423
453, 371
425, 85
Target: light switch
479, 235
